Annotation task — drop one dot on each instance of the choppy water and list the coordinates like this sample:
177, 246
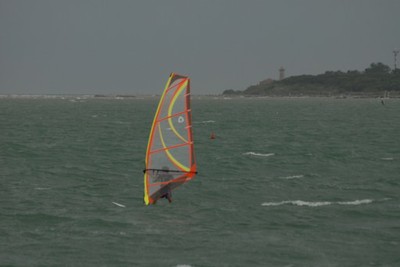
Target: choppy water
287, 182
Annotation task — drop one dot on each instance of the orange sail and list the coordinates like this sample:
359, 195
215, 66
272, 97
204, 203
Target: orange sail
170, 159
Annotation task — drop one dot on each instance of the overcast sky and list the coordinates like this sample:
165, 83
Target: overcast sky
130, 47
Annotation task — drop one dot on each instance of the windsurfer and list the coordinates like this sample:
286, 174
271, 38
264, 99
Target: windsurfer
164, 176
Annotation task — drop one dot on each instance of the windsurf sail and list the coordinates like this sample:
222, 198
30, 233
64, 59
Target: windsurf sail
170, 159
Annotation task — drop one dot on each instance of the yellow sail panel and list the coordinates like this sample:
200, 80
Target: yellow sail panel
170, 159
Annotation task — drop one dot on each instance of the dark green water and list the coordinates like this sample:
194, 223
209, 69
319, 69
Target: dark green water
287, 182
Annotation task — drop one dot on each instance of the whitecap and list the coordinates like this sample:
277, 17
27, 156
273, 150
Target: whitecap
293, 177
275, 203
118, 204
387, 158
356, 202
259, 154
297, 203
204, 122
317, 203
183, 265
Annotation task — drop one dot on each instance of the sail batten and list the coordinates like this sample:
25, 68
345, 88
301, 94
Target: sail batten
170, 147
172, 115
170, 152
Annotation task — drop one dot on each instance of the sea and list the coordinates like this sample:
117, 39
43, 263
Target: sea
287, 182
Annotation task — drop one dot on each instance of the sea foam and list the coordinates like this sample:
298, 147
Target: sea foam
317, 203
204, 122
259, 154
118, 204
292, 177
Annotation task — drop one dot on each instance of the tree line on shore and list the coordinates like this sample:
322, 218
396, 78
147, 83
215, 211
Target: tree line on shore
377, 79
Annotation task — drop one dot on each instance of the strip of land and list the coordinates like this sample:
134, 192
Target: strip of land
378, 80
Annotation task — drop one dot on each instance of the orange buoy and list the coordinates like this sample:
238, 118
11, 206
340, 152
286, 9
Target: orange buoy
212, 136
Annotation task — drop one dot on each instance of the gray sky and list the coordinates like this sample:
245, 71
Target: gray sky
88, 46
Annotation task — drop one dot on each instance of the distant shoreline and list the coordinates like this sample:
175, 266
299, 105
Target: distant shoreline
370, 95
378, 80
385, 95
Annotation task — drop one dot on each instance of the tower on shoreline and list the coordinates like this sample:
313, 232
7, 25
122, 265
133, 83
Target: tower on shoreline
281, 73
395, 52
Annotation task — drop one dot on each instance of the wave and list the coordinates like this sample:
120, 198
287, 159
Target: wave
293, 177
122, 122
259, 154
204, 122
356, 202
118, 204
317, 203
387, 158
